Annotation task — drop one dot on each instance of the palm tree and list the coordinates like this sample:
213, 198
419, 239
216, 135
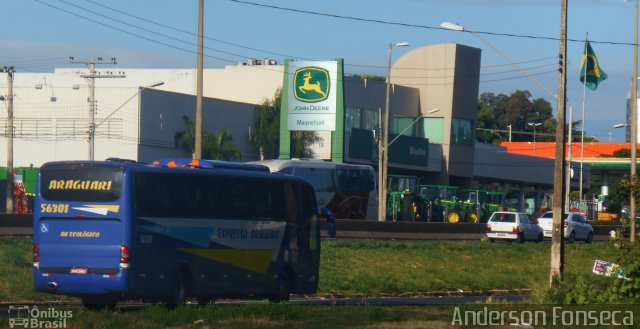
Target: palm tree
215, 147
221, 146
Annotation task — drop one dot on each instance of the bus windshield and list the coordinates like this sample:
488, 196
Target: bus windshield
348, 190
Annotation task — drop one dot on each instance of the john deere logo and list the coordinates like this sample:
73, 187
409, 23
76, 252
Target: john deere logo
311, 84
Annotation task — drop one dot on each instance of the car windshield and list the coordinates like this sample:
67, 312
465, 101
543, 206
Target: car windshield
550, 215
504, 217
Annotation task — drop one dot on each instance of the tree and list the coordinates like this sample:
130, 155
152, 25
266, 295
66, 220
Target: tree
517, 110
266, 131
215, 147
622, 153
221, 147
301, 142
487, 123
266, 127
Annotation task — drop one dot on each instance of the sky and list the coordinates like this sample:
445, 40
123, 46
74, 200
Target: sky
40, 35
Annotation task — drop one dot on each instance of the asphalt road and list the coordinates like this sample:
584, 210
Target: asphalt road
309, 300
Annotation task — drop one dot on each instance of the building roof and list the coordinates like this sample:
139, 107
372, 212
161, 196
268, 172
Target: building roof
548, 149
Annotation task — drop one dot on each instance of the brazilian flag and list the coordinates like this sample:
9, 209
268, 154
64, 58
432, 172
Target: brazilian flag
592, 74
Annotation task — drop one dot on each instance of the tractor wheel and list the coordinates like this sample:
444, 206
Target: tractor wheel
472, 218
409, 209
453, 217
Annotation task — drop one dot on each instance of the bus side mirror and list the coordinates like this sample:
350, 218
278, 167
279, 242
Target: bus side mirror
328, 215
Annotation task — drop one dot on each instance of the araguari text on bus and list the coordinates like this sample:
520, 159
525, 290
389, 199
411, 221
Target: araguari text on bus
71, 184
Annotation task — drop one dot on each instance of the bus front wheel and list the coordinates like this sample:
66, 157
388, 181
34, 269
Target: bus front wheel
283, 288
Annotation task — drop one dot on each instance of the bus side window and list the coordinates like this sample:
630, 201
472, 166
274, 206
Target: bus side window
291, 210
290, 202
217, 198
242, 200
307, 210
269, 201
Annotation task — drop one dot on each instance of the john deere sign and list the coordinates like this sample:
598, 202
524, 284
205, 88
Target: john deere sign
311, 96
311, 84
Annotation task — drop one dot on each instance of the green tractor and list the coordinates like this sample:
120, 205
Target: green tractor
473, 208
437, 202
497, 201
479, 205
399, 187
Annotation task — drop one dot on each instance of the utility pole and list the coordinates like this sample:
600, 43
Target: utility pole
557, 242
9, 70
91, 77
634, 128
381, 149
198, 140
385, 134
385, 142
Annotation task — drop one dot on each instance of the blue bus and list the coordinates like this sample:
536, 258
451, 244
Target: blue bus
110, 230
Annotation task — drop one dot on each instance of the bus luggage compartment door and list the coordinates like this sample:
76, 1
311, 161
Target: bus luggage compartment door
80, 246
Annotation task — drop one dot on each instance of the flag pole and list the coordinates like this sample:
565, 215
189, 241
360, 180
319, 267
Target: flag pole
584, 101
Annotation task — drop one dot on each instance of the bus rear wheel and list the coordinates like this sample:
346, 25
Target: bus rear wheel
180, 290
98, 302
203, 301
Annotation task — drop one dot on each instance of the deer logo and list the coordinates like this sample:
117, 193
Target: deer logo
311, 84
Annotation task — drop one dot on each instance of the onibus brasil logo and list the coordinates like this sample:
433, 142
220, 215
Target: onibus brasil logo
24, 316
311, 84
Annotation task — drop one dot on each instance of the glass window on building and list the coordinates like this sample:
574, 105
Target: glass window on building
462, 132
403, 126
433, 130
353, 118
370, 119
348, 119
360, 119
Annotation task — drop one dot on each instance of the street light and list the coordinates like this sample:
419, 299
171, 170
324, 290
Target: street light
534, 125
95, 126
627, 132
459, 28
382, 171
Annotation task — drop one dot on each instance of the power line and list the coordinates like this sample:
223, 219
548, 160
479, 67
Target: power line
186, 50
191, 33
525, 36
230, 43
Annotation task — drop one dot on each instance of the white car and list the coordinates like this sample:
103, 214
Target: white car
575, 226
515, 226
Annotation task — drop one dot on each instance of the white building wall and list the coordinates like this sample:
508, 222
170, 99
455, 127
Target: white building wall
51, 110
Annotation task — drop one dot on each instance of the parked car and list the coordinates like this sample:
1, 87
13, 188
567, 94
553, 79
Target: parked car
575, 226
514, 226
